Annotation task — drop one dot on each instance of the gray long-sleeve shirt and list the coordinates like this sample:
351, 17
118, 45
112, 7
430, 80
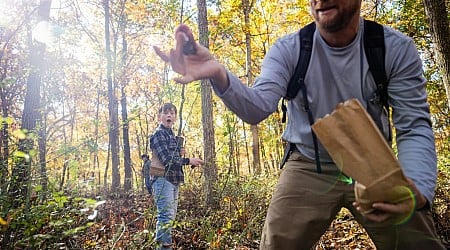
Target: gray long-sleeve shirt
335, 75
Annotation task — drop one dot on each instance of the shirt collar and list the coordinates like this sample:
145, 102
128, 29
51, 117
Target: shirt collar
162, 127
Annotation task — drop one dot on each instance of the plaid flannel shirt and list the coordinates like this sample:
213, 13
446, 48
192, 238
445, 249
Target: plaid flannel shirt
164, 143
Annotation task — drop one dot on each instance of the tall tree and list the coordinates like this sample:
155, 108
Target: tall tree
128, 181
247, 8
96, 159
65, 157
123, 21
112, 105
440, 32
210, 166
31, 114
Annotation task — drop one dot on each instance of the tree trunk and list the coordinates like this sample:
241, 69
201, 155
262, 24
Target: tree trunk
66, 160
247, 7
31, 115
231, 151
210, 166
96, 159
112, 107
42, 139
247, 153
128, 182
4, 132
436, 11
237, 150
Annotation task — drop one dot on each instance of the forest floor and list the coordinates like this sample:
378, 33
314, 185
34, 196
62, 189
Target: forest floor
128, 223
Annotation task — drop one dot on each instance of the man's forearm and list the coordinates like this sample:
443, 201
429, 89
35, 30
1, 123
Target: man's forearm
220, 79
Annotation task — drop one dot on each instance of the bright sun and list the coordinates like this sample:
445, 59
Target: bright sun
44, 32
6, 19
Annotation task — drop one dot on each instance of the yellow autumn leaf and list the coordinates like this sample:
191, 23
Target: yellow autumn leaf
19, 134
3, 222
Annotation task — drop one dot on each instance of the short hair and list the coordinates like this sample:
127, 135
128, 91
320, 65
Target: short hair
144, 156
166, 107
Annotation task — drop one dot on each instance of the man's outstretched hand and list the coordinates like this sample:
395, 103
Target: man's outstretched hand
189, 59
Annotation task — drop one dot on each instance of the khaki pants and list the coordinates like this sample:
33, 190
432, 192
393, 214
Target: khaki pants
305, 203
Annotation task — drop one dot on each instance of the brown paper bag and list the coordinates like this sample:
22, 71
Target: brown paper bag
358, 148
156, 166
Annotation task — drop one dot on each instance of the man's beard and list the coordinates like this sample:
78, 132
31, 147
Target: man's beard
342, 21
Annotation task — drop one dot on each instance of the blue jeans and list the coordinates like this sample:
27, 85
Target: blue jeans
165, 195
148, 184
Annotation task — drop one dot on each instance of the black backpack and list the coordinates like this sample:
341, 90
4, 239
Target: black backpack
375, 53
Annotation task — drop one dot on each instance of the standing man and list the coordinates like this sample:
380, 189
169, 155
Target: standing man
305, 202
146, 173
167, 151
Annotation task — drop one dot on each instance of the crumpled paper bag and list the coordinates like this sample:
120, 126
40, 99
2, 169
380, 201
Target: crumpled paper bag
358, 148
156, 166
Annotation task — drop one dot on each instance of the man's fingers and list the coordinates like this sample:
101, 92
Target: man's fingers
161, 54
181, 38
177, 62
183, 80
403, 207
185, 29
386, 207
378, 217
185, 40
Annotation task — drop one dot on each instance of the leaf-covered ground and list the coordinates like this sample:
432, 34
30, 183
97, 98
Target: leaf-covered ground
128, 223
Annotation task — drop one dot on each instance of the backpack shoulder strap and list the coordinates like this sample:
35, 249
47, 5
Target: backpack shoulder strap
297, 82
306, 42
375, 53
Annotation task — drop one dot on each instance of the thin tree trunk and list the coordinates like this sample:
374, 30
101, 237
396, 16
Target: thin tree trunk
4, 144
128, 182
96, 135
105, 174
112, 107
436, 11
247, 7
231, 150
63, 174
246, 147
237, 149
210, 167
42, 139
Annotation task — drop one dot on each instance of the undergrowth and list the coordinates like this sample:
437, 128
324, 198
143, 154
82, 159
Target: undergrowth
127, 221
